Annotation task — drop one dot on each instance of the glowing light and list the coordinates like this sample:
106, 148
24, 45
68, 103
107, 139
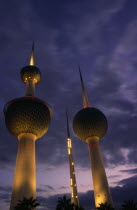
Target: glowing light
72, 193
73, 163
85, 106
35, 80
27, 144
69, 151
69, 143
94, 145
31, 63
71, 182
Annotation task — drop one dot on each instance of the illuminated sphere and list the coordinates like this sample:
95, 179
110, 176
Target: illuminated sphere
27, 115
90, 122
30, 72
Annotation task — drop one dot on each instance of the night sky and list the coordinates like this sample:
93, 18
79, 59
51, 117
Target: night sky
101, 37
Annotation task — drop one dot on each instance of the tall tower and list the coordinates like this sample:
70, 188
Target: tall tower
27, 118
90, 125
73, 185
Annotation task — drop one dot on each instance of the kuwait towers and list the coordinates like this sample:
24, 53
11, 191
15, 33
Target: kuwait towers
90, 125
27, 118
73, 185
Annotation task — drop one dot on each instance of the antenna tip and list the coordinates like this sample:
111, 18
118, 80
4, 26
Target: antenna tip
33, 45
31, 63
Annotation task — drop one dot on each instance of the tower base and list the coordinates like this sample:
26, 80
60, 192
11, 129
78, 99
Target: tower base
25, 173
101, 188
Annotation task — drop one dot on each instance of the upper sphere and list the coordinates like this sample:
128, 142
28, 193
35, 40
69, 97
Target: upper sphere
30, 72
27, 115
90, 122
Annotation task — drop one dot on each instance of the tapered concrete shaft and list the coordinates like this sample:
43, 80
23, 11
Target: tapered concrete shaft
30, 87
74, 193
101, 188
25, 173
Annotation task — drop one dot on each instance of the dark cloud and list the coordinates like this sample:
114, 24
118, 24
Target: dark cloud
45, 188
129, 181
102, 38
86, 199
62, 187
5, 195
130, 171
119, 195
113, 176
59, 78
49, 187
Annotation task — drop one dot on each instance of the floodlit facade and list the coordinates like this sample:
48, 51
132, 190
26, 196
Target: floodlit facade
90, 125
73, 185
27, 118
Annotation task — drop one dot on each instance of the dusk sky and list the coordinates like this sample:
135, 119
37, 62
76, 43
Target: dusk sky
101, 37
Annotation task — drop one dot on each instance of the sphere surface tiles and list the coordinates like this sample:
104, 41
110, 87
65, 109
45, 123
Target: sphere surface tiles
90, 122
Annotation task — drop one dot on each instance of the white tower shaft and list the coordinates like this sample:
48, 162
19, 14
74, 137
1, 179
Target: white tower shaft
24, 184
101, 188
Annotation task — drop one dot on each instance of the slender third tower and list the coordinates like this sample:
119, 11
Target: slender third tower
90, 125
27, 118
73, 185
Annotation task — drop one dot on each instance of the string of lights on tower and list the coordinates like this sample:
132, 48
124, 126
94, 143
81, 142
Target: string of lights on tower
73, 185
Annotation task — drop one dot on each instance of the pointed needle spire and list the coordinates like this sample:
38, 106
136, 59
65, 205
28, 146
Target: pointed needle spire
67, 125
84, 95
31, 63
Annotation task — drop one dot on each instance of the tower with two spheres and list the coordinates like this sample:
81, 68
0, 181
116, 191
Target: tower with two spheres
27, 118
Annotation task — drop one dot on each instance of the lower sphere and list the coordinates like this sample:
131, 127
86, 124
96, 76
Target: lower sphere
90, 122
27, 115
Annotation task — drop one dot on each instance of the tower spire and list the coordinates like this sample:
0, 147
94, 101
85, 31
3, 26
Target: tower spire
84, 95
67, 125
32, 63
